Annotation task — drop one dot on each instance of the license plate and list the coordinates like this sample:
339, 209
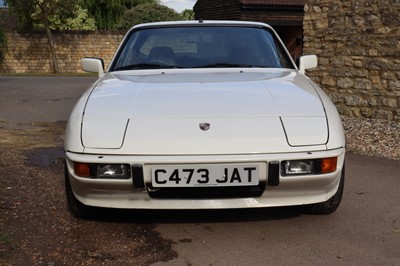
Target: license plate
205, 175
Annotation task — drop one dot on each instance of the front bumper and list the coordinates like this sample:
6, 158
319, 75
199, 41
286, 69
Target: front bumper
292, 190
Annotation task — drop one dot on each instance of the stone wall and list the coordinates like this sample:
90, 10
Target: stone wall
358, 46
29, 53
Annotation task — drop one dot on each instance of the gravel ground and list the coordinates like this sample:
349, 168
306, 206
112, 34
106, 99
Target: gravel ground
35, 226
373, 137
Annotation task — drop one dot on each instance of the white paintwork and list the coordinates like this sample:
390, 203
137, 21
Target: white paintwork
307, 62
93, 65
240, 106
152, 117
295, 190
305, 131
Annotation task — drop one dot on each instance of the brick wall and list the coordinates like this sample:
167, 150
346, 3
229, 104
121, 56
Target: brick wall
29, 53
358, 46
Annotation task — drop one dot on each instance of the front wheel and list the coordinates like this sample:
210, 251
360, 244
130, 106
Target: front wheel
330, 205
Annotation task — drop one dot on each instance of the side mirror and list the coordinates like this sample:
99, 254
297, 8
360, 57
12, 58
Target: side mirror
307, 62
94, 65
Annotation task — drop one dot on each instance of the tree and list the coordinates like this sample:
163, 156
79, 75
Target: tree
33, 12
78, 19
3, 45
187, 14
108, 13
147, 13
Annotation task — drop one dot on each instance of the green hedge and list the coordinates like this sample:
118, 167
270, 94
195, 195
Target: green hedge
145, 13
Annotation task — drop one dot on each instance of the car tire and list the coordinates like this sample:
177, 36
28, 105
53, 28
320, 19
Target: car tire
330, 205
76, 208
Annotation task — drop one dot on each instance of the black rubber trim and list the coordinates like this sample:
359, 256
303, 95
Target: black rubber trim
273, 173
137, 176
208, 192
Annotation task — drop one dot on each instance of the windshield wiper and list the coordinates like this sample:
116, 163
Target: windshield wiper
145, 66
216, 65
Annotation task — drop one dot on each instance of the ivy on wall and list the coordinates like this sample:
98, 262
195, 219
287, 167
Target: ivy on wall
3, 45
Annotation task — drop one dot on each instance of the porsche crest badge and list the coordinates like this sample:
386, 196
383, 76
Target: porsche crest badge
204, 126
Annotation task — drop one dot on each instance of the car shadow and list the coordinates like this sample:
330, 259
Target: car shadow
195, 216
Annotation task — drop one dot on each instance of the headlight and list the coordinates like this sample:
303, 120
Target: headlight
113, 171
298, 167
309, 167
108, 171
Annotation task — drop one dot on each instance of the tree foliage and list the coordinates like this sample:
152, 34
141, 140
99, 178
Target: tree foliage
31, 13
3, 45
187, 14
76, 19
34, 12
145, 13
23, 10
108, 13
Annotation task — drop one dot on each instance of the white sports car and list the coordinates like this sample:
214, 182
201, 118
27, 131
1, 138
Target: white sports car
203, 115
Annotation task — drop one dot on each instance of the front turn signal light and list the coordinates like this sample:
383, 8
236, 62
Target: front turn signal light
328, 165
82, 169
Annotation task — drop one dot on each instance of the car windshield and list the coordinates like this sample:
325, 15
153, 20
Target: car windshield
201, 47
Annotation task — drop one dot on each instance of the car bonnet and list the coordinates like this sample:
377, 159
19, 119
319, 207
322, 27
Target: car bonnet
267, 109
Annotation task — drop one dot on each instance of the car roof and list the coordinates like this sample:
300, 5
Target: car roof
202, 23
